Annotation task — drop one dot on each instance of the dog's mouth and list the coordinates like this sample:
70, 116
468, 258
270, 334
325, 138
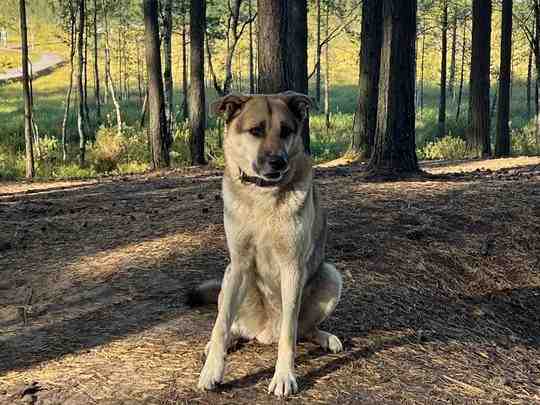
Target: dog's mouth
275, 177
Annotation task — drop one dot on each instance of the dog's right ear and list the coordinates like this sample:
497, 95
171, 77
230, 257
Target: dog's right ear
229, 107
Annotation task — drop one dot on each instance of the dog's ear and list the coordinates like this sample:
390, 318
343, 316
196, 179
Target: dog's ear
229, 106
298, 103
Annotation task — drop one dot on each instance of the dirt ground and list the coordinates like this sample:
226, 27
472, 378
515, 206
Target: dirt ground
440, 304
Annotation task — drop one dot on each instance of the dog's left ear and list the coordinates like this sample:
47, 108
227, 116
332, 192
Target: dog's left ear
228, 107
299, 103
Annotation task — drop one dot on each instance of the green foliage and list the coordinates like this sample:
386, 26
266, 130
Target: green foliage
524, 141
447, 148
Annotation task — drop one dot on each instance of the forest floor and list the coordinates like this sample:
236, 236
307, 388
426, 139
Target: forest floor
440, 304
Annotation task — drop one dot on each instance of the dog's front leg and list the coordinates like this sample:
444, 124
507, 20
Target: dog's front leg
284, 381
232, 294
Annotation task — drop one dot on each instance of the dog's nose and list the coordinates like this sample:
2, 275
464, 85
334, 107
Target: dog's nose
277, 162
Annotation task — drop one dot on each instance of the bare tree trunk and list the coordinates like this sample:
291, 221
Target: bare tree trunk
30, 170
327, 73
297, 55
70, 87
480, 70
108, 76
365, 123
197, 102
251, 67
453, 51
185, 107
462, 75
85, 61
167, 62
96, 64
394, 150
81, 125
529, 83
318, 56
444, 50
422, 74
502, 145
161, 140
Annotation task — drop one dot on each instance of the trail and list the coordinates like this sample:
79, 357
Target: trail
46, 64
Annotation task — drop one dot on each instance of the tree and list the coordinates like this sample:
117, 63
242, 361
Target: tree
28, 138
297, 62
394, 149
444, 51
167, 61
272, 46
96, 63
67, 102
318, 56
502, 145
479, 134
197, 104
157, 124
365, 122
251, 53
81, 112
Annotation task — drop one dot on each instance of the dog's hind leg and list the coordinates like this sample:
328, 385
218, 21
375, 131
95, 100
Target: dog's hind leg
321, 296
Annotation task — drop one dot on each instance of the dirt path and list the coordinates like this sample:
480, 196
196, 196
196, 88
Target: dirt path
46, 64
441, 298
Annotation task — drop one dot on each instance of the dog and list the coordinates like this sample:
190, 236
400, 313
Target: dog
277, 286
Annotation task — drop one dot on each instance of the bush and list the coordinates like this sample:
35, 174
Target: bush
447, 148
107, 150
524, 141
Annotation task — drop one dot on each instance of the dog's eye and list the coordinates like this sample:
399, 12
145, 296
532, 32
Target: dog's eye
257, 131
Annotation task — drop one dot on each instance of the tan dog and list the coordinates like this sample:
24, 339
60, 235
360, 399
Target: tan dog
277, 286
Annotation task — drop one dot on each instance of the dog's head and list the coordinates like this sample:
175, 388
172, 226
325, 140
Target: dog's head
263, 136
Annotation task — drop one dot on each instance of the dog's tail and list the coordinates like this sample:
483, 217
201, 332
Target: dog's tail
205, 293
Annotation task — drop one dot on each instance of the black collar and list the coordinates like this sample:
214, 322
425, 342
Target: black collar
258, 181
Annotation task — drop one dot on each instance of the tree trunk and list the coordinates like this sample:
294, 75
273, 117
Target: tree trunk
462, 75
85, 61
422, 74
197, 102
318, 56
327, 73
96, 64
529, 83
157, 124
394, 149
453, 51
70, 87
272, 46
479, 137
365, 124
251, 63
108, 76
81, 125
167, 62
30, 170
297, 62
502, 144
185, 108
444, 51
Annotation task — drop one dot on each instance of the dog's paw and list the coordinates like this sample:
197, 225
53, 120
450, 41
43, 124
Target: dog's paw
334, 344
212, 373
283, 384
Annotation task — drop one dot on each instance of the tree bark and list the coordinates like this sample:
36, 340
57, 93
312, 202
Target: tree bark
167, 62
453, 61
365, 123
479, 137
318, 56
67, 102
272, 46
185, 112
251, 62
28, 138
81, 119
394, 149
197, 102
157, 124
108, 76
462, 74
327, 72
96, 64
529, 83
297, 57
502, 144
444, 51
